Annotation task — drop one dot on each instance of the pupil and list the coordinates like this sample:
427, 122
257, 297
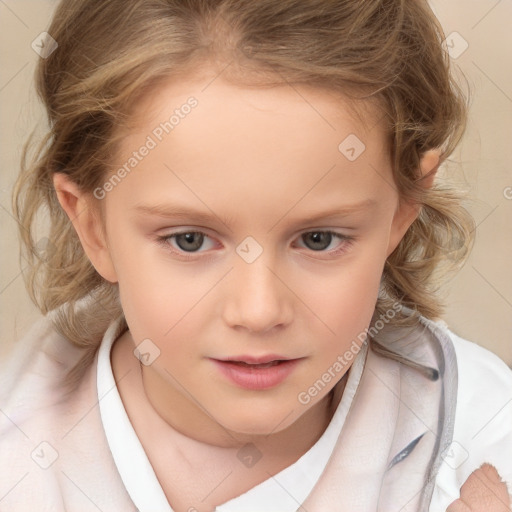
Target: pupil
188, 238
320, 239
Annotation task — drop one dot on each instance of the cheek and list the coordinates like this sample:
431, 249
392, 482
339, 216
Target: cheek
154, 308
158, 300
346, 290
344, 304
155, 292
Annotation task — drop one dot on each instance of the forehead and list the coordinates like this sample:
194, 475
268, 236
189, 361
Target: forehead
215, 93
221, 139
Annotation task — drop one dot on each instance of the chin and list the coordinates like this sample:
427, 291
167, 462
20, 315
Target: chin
259, 424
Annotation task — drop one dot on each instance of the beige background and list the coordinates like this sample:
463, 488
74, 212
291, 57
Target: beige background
479, 296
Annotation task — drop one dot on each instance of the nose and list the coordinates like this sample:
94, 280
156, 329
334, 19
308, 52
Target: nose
257, 298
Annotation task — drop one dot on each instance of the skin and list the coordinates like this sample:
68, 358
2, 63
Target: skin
264, 161
483, 490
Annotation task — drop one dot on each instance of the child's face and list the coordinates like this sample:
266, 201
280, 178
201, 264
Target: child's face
260, 167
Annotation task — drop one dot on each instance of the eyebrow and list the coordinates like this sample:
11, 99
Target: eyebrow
178, 212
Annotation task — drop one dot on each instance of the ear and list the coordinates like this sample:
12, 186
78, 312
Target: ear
407, 212
86, 221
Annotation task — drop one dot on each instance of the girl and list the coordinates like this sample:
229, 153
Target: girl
246, 233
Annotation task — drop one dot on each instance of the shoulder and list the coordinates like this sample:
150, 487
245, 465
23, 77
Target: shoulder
33, 396
483, 418
484, 395
473, 356
46, 433
484, 380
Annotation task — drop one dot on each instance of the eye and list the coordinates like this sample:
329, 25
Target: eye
320, 241
186, 241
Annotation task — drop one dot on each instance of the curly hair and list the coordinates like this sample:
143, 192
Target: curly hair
387, 53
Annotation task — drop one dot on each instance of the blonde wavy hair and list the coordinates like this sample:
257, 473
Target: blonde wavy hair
382, 52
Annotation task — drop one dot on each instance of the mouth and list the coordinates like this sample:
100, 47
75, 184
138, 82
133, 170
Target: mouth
265, 361
257, 372
255, 365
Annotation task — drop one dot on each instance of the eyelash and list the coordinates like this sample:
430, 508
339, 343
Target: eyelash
164, 242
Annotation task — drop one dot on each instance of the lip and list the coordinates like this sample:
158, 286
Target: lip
256, 360
256, 378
